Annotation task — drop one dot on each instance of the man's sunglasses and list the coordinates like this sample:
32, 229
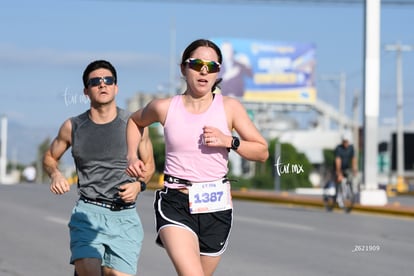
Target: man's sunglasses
97, 81
198, 64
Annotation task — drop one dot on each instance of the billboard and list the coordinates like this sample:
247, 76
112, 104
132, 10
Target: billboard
259, 71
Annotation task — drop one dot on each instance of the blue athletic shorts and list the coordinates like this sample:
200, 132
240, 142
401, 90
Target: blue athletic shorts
212, 229
115, 237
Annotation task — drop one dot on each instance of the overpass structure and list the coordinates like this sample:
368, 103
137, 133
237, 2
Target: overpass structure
271, 117
265, 115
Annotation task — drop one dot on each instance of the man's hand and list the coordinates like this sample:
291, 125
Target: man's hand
59, 184
339, 177
129, 192
355, 172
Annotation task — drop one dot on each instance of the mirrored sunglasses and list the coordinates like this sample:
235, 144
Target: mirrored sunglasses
97, 81
198, 64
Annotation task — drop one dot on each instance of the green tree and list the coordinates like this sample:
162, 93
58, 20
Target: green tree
43, 147
264, 177
293, 167
296, 163
328, 156
158, 145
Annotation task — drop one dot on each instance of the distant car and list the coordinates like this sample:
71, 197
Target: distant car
29, 174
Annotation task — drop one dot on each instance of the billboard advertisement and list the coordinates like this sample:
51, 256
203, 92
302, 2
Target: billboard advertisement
259, 71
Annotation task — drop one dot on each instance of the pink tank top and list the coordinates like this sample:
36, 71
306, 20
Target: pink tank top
186, 155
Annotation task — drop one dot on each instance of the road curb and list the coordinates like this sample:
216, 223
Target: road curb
393, 209
286, 198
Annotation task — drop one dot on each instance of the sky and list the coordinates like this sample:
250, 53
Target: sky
46, 44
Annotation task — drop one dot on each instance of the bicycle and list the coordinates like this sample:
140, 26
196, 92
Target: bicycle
340, 194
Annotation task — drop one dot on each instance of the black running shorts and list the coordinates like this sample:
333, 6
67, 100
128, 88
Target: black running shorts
212, 229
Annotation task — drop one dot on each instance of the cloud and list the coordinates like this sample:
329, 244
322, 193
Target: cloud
12, 55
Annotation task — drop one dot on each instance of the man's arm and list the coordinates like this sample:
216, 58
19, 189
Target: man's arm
354, 164
338, 169
59, 183
338, 165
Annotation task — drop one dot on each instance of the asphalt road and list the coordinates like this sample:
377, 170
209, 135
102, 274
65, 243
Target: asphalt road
266, 239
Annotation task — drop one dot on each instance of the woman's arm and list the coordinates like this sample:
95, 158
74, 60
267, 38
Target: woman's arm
138, 140
253, 146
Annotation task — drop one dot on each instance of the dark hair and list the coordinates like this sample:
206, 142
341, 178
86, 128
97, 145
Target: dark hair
98, 64
202, 43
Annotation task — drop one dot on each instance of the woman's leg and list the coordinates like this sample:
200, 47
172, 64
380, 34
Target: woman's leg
183, 249
209, 264
112, 272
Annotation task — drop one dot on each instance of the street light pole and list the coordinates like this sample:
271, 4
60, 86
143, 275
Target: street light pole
3, 150
399, 48
341, 77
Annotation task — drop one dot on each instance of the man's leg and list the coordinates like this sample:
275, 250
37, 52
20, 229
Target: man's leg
88, 267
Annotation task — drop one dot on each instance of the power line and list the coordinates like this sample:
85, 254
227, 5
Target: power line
383, 2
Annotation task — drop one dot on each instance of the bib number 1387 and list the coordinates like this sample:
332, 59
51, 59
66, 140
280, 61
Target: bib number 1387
209, 197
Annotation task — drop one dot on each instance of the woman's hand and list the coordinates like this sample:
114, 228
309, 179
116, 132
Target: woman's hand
136, 168
213, 137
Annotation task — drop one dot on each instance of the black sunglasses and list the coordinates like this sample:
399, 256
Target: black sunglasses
97, 81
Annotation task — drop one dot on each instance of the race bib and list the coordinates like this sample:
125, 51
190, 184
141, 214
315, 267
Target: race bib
207, 197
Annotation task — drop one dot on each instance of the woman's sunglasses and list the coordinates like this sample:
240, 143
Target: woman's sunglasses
198, 64
97, 81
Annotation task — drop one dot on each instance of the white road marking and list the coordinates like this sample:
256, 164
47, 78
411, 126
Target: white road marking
274, 223
57, 220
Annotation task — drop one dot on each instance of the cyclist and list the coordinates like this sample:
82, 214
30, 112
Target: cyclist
345, 159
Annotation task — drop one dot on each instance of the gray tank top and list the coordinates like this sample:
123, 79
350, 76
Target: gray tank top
99, 152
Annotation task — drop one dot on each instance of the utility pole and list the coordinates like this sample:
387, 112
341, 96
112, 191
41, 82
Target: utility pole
399, 48
342, 89
371, 195
355, 130
3, 151
341, 77
278, 153
173, 67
